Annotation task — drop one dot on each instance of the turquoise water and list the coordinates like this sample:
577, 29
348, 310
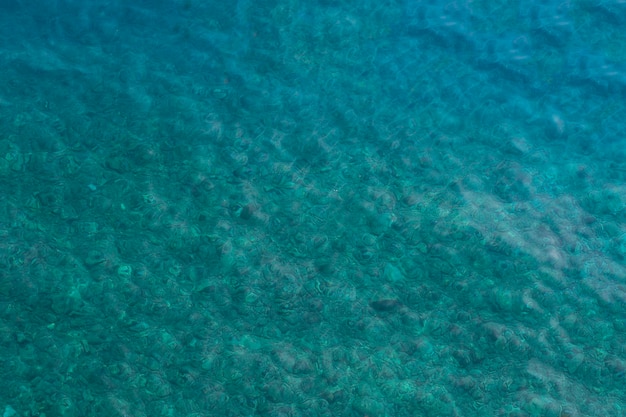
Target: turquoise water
312, 208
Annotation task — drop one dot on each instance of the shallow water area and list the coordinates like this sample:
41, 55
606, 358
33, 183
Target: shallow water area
289, 208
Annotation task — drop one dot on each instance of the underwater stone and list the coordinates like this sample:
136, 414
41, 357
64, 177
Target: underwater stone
381, 222
368, 406
422, 247
125, 271
386, 305
621, 245
393, 273
503, 299
539, 406
95, 257
9, 411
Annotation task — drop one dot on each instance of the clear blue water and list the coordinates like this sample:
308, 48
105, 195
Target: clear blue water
312, 208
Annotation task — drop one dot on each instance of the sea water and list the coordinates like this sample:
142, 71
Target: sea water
312, 208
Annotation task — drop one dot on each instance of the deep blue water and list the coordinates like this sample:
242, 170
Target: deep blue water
325, 208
